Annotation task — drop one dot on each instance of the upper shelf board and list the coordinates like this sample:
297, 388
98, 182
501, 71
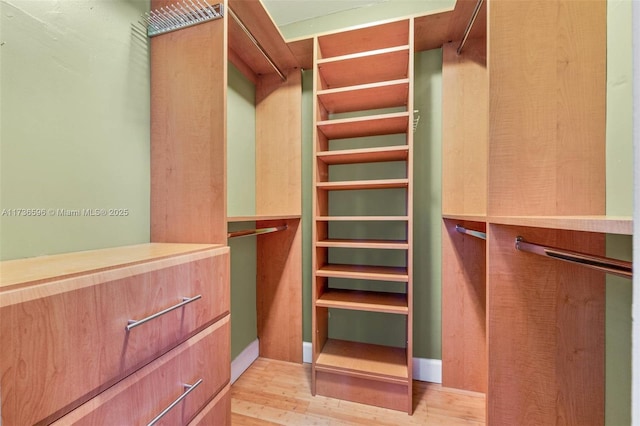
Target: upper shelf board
382, 124
366, 67
622, 225
258, 22
388, 94
364, 39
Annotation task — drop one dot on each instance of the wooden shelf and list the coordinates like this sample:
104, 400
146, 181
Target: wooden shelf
362, 218
366, 155
365, 67
363, 184
36, 270
364, 272
466, 217
373, 125
364, 244
243, 52
363, 360
392, 303
603, 224
232, 219
388, 94
365, 38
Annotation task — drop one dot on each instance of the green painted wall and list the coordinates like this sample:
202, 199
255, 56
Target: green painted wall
74, 132
619, 202
241, 145
241, 201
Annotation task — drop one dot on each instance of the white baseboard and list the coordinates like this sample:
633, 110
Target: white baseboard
307, 352
424, 369
427, 370
244, 360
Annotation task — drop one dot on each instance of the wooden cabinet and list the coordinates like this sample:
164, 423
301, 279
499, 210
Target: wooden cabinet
363, 88
192, 373
523, 156
64, 318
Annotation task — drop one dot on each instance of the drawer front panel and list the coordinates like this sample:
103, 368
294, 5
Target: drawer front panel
139, 398
65, 346
217, 412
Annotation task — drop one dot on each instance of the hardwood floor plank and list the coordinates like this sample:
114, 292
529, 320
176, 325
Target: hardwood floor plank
279, 393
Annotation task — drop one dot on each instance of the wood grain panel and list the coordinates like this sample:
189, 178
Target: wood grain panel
464, 352
547, 107
278, 145
217, 412
188, 133
140, 397
65, 341
371, 392
545, 331
465, 86
367, 38
279, 292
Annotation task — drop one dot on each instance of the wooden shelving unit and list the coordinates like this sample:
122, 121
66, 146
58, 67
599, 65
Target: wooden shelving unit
525, 329
357, 72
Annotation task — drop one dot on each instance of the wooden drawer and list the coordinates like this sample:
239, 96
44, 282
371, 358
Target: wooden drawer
139, 398
65, 341
217, 412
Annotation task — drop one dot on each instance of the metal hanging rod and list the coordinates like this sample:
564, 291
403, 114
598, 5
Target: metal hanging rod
250, 232
611, 266
477, 234
467, 30
257, 44
180, 15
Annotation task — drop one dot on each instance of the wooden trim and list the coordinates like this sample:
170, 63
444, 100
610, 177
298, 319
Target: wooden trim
364, 155
361, 243
363, 184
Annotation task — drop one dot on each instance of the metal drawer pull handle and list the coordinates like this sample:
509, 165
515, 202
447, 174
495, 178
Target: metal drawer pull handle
188, 389
185, 301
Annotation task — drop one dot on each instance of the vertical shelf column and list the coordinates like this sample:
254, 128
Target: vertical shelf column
363, 107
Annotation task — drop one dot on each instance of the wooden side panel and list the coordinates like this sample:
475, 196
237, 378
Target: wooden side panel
188, 133
278, 145
142, 396
465, 86
547, 64
279, 292
464, 351
545, 331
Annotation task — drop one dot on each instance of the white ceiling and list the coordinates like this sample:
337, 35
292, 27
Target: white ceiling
286, 12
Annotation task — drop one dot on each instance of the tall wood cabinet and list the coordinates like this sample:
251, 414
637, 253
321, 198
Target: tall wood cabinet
363, 87
524, 156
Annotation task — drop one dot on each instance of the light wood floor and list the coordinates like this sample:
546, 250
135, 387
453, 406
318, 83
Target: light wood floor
279, 393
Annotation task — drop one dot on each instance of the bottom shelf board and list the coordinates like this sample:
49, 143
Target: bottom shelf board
364, 360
